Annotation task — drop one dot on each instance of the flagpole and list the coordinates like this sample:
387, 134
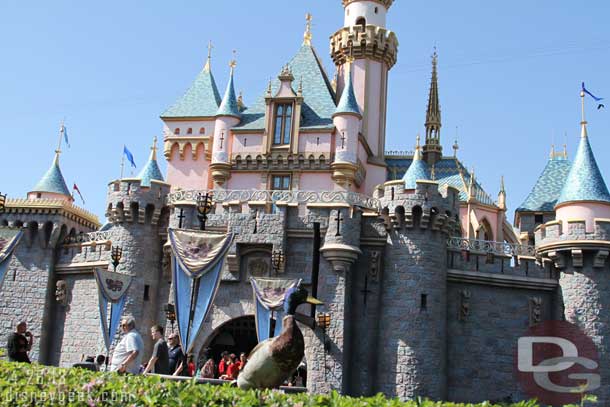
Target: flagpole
122, 163
60, 134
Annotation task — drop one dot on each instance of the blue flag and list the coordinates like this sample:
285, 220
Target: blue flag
590, 94
129, 156
63, 130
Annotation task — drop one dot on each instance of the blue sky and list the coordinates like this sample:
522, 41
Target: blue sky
509, 77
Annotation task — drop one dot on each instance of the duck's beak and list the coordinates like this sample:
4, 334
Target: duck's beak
314, 301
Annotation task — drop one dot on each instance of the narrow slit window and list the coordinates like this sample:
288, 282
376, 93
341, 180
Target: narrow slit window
146, 292
423, 305
282, 132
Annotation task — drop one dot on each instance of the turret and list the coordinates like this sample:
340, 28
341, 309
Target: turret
433, 150
52, 185
418, 170
577, 244
365, 38
347, 120
419, 219
138, 220
227, 117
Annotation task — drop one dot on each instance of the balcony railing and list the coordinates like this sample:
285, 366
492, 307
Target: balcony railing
296, 196
486, 246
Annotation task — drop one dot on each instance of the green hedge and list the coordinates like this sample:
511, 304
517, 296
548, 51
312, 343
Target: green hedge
25, 385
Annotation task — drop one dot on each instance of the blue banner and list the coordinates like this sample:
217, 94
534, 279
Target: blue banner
197, 261
269, 296
9, 239
112, 288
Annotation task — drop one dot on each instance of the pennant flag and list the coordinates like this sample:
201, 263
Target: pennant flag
112, 288
64, 131
590, 94
197, 260
129, 156
75, 188
9, 239
269, 295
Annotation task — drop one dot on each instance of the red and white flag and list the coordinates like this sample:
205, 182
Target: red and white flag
75, 188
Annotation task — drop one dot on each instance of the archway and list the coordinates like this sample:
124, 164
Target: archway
235, 336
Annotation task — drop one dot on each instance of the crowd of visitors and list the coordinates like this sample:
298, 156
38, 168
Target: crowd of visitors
167, 358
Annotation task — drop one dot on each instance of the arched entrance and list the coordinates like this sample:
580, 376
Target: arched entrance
235, 336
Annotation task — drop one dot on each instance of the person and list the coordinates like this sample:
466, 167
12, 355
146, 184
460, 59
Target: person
208, 369
19, 343
100, 361
127, 357
177, 361
159, 361
234, 367
243, 359
224, 364
190, 365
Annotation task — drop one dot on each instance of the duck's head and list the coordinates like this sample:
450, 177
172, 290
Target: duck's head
296, 296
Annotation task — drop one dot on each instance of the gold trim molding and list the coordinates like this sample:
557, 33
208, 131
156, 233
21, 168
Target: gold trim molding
55, 206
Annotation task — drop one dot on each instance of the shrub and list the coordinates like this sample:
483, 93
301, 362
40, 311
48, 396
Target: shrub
35, 385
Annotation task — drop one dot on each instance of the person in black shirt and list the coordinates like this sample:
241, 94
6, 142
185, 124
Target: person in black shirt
160, 356
19, 344
177, 362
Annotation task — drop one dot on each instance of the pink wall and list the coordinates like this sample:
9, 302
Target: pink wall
314, 181
583, 210
245, 181
247, 144
49, 195
222, 130
170, 127
481, 213
188, 173
315, 143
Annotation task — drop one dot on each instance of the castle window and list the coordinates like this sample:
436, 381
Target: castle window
376, 10
538, 218
189, 131
177, 132
146, 292
361, 21
423, 305
283, 124
280, 182
202, 130
38, 195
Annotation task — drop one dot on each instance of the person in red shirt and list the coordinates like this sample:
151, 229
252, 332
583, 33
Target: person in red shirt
191, 366
233, 369
224, 364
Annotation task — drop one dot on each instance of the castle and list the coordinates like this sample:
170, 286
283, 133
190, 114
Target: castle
427, 284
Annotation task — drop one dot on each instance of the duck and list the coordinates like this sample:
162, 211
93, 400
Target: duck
272, 361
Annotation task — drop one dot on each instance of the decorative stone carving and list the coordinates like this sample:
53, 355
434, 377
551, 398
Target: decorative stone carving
535, 310
464, 304
340, 256
61, 292
375, 265
600, 258
558, 259
258, 267
577, 259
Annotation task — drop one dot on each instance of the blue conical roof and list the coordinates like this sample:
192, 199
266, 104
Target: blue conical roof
53, 180
151, 170
229, 105
417, 170
585, 181
200, 100
347, 103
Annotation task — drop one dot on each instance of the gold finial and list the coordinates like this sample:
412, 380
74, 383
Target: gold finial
502, 184
208, 62
565, 151
233, 62
307, 36
153, 154
552, 150
269, 88
417, 147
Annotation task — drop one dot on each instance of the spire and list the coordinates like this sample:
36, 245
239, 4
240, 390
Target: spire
307, 36
432, 148
472, 192
502, 195
229, 105
151, 170
347, 103
585, 181
53, 180
418, 169
208, 62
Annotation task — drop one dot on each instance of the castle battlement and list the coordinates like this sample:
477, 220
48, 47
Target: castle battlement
129, 201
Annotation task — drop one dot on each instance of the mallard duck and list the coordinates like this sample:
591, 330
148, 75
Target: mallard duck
272, 361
